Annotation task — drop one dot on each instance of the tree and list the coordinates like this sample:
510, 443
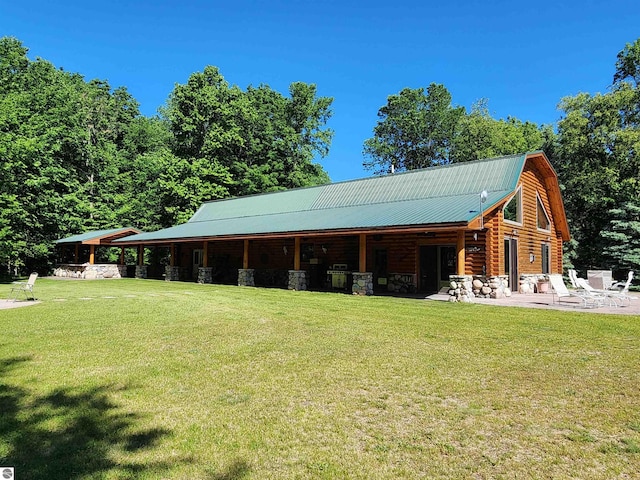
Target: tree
478, 135
623, 235
264, 140
415, 130
63, 145
628, 64
597, 161
418, 130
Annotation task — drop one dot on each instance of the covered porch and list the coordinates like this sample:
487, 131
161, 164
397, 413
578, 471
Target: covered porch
90, 255
361, 262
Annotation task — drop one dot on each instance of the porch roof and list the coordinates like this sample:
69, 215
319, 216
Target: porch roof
437, 196
98, 237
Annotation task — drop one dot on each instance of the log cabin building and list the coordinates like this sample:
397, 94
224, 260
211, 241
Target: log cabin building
499, 221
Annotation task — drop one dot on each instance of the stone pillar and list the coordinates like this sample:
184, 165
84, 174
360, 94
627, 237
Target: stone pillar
297, 280
362, 283
171, 273
245, 277
141, 271
205, 275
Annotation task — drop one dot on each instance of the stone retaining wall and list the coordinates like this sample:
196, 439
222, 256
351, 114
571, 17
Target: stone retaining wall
91, 272
464, 288
402, 282
529, 282
174, 274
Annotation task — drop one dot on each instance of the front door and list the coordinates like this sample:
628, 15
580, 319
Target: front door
380, 269
511, 262
198, 257
437, 263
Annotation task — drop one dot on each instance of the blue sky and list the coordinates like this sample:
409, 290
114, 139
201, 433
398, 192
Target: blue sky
522, 56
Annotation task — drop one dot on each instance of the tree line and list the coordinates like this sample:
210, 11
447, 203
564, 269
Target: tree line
77, 155
594, 148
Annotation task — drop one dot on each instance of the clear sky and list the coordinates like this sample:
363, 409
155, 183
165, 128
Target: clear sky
522, 56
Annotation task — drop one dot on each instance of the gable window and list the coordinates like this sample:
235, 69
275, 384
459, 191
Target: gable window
513, 209
543, 219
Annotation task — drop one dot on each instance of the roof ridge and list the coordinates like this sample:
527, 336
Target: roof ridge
373, 177
341, 206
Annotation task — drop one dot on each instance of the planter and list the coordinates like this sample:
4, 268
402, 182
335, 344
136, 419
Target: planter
543, 287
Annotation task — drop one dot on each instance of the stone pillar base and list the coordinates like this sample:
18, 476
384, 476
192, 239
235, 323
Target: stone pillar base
141, 271
245, 277
171, 273
362, 283
205, 275
297, 280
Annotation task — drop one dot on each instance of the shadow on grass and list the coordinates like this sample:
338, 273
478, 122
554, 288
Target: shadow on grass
236, 471
71, 434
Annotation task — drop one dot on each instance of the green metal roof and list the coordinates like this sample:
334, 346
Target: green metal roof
431, 196
94, 235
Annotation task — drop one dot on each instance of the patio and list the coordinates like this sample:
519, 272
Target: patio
549, 301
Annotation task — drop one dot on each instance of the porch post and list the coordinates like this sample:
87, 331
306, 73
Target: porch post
205, 254
460, 250
296, 253
363, 253
362, 280
92, 254
245, 274
77, 255
141, 268
172, 255
121, 255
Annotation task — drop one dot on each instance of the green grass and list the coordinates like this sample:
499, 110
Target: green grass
147, 379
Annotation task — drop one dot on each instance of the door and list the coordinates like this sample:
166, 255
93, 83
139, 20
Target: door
437, 263
198, 257
511, 262
429, 269
380, 269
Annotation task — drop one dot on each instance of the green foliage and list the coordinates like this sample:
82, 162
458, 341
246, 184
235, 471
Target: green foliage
415, 130
478, 135
623, 235
597, 160
77, 155
418, 130
628, 63
264, 140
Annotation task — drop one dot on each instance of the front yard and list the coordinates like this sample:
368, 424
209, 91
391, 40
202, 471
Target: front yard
148, 379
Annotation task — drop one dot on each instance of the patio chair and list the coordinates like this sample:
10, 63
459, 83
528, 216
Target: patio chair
609, 295
560, 289
572, 277
24, 287
620, 291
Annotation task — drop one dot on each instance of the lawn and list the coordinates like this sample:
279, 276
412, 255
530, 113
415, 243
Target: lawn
147, 379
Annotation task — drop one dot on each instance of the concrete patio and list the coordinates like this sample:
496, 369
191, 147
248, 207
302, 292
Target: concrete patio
549, 301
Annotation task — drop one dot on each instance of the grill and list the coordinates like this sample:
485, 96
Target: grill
338, 274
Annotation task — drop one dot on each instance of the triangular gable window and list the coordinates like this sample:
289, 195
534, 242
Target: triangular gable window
543, 219
513, 209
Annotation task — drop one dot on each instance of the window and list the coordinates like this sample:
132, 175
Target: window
513, 209
546, 258
543, 219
